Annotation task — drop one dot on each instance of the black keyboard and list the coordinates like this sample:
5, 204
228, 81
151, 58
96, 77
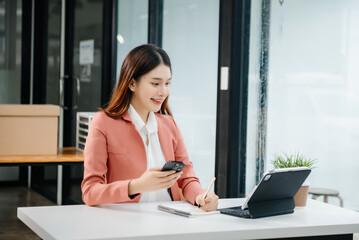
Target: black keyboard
236, 211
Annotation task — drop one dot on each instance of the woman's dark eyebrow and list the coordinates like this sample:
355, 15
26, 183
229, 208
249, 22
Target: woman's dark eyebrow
160, 79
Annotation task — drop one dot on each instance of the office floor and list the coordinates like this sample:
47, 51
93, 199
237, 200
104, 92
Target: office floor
11, 197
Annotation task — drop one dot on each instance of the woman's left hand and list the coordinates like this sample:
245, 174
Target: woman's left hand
210, 203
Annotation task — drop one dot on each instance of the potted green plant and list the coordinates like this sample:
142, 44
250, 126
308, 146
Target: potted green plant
296, 160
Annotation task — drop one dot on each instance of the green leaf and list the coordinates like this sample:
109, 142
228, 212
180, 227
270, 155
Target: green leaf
293, 160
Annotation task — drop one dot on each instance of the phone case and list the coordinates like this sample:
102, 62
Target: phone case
173, 165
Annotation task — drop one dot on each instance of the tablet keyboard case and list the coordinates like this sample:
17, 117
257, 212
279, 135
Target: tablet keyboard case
275, 194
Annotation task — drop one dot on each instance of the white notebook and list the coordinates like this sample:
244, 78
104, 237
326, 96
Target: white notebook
184, 209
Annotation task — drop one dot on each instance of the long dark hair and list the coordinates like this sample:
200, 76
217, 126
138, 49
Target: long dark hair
138, 62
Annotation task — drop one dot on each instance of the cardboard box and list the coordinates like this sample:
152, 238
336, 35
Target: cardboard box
29, 129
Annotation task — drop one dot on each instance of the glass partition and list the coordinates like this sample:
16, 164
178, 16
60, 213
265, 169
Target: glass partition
53, 52
132, 25
190, 37
10, 51
254, 124
10, 63
312, 101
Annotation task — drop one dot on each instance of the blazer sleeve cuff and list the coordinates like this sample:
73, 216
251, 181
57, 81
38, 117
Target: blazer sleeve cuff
133, 198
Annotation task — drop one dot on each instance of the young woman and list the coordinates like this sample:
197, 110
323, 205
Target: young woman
131, 139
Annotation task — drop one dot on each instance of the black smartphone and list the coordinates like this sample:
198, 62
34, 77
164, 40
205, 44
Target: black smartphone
173, 165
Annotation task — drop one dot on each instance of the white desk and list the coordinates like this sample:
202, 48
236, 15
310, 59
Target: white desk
144, 221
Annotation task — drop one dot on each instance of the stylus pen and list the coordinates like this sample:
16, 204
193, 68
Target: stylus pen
209, 186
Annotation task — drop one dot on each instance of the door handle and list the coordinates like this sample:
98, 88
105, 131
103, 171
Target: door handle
78, 90
62, 92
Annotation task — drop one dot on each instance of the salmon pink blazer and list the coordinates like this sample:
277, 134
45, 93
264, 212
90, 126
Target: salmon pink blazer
115, 154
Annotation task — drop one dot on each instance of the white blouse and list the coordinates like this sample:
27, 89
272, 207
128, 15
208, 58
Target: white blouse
154, 153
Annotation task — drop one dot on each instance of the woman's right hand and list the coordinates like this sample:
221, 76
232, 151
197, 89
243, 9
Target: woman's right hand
153, 179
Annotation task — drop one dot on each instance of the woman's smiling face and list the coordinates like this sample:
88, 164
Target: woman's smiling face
149, 92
